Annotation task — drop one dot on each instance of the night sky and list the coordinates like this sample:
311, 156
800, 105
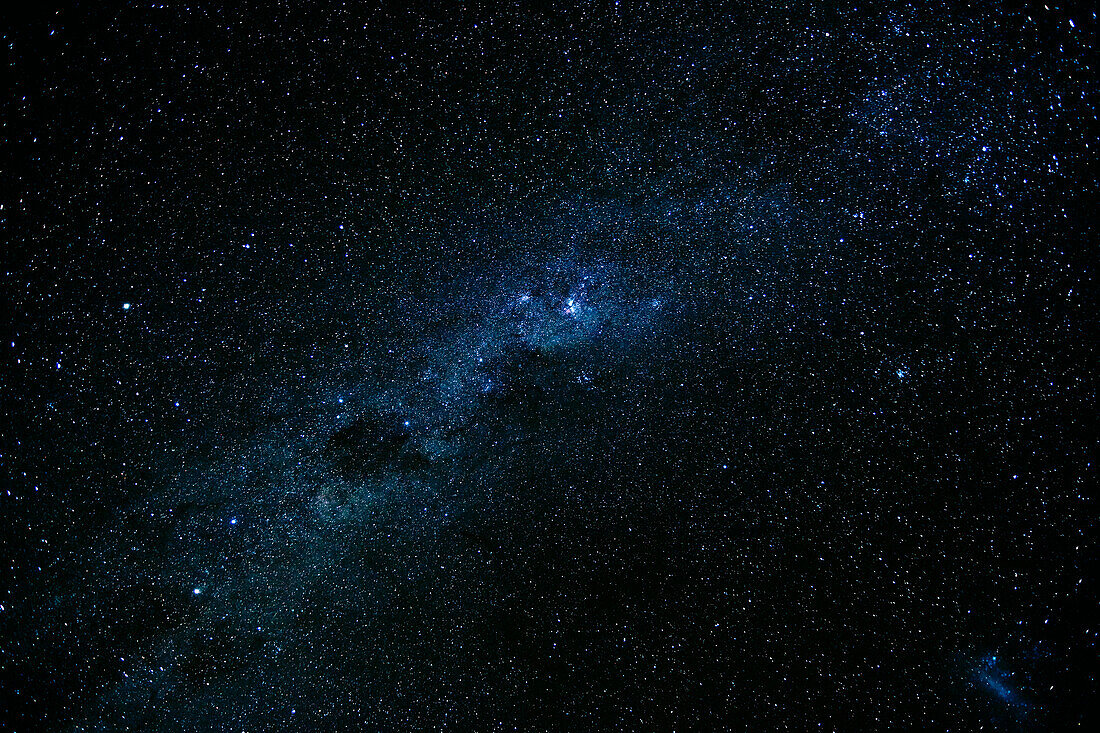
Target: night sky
548, 367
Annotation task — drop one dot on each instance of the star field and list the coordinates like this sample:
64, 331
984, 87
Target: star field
589, 366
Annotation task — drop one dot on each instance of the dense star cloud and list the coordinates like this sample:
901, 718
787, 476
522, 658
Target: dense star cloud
600, 366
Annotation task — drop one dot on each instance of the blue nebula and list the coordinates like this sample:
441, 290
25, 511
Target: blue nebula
998, 682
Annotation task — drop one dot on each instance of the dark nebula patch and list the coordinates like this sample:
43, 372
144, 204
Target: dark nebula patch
368, 444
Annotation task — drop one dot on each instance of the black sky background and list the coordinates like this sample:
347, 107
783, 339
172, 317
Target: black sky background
596, 366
